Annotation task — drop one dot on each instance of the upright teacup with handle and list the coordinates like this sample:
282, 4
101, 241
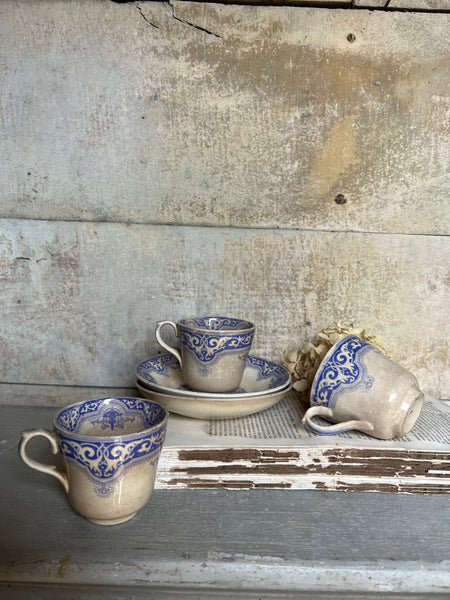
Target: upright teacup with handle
214, 351
110, 448
358, 387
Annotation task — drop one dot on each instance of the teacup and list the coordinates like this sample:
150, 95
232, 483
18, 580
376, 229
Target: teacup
110, 449
213, 353
358, 387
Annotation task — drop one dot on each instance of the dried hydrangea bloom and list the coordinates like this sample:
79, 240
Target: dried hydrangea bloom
302, 364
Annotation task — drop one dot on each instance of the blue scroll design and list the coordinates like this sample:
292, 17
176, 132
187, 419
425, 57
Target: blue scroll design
113, 412
159, 365
267, 370
207, 347
104, 462
344, 366
104, 459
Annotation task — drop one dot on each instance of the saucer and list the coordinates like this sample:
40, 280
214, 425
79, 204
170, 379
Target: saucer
163, 373
211, 407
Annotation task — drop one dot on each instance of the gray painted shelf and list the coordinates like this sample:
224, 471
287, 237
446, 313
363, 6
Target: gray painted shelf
215, 543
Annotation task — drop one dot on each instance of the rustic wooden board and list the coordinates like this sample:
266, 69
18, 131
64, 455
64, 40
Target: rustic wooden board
57, 395
428, 5
215, 543
370, 3
432, 5
319, 3
211, 114
348, 469
79, 301
420, 4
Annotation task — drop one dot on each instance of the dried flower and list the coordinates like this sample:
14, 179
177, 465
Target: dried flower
302, 364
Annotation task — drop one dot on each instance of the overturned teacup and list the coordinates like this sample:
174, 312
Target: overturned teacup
213, 352
358, 387
110, 448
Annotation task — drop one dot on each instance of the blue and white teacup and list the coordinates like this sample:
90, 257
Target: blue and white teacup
358, 387
213, 353
110, 449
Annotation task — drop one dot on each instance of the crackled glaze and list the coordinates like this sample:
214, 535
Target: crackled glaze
110, 447
213, 352
357, 387
163, 374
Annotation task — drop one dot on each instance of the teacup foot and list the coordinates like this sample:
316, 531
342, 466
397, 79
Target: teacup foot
112, 521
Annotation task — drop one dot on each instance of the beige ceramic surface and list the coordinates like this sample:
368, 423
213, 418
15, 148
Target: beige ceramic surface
163, 374
213, 353
204, 408
129, 495
385, 402
120, 445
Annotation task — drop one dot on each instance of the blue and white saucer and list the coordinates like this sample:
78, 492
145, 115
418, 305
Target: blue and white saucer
163, 374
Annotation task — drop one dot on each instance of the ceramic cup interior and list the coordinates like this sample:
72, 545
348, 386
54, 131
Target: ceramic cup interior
110, 449
106, 417
221, 325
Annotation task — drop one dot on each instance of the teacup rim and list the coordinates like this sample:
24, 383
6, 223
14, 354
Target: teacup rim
326, 358
110, 438
250, 326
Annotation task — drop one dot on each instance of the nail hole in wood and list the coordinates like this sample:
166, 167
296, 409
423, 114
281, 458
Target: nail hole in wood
340, 199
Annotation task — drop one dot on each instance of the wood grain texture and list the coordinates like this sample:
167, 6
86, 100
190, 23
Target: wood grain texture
369, 3
420, 5
348, 469
246, 124
259, 542
315, 3
425, 5
25, 394
79, 301
207, 114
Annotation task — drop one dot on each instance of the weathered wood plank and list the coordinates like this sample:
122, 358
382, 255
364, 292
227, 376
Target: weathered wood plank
211, 114
57, 395
428, 5
79, 302
420, 4
370, 3
264, 543
431, 5
318, 3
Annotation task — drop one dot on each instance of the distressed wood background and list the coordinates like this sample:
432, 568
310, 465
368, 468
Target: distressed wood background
289, 165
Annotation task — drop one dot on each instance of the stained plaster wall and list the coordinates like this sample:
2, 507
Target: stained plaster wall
284, 164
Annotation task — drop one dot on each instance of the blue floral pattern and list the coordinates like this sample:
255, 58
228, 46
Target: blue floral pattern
206, 347
266, 369
104, 459
158, 365
162, 365
113, 419
73, 417
345, 365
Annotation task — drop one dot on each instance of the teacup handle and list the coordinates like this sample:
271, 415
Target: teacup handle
170, 349
327, 413
34, 464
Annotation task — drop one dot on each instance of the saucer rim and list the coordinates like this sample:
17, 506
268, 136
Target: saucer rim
211, 395
185, 408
